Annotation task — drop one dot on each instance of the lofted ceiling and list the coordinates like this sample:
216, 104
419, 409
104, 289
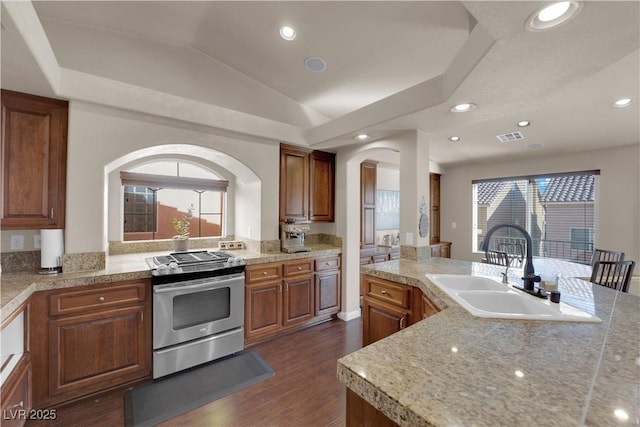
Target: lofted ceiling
391, 66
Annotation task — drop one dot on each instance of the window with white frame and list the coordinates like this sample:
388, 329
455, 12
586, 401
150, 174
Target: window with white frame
558, 210
156, 193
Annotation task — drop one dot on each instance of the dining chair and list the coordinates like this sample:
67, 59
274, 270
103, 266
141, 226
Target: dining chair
497, 258
515, 253
612, 274
606, 255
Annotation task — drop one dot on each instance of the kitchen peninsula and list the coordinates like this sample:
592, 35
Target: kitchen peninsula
456, 369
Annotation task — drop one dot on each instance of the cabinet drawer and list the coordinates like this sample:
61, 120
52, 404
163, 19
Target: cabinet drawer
90, 300
328, 263
387, 291
291, 268
262, 272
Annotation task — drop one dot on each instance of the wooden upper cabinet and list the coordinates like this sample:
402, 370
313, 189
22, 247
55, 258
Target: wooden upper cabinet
434, 190
321, 186
307, 184
368, 173
294, 187
34, 161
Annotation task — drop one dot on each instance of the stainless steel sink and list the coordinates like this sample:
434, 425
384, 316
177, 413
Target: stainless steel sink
487, 297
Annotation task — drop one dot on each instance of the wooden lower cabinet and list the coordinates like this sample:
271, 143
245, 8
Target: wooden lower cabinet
16, 394
263, 309
361, 413
381, 320
389, 307
103, 340
285, 295
441, 250
327, 289
96, 351
298, 300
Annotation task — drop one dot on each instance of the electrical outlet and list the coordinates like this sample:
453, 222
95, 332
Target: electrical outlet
454, 225
36, 241
17, 242
408, 238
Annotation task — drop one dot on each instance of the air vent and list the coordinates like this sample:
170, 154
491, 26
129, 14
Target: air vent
511, 136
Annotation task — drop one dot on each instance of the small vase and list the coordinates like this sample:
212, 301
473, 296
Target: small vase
180, 245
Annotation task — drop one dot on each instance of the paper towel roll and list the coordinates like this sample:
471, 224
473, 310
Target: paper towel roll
52, 247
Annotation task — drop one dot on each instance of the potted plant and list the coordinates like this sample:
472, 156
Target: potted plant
181, 239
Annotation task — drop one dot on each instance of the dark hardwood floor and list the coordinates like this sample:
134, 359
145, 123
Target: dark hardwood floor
303, 392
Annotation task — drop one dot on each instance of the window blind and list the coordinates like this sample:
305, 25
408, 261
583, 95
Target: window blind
558, 210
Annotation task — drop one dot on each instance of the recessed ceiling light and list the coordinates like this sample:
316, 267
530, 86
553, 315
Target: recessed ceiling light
454, 138
287, 33
623, 102
462, 108
553, 14
524, 123
362, 137
315, 64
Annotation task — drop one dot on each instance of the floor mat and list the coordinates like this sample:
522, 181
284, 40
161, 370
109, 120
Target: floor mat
179, 393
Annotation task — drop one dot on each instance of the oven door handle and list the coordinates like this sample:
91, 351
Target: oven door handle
181, 288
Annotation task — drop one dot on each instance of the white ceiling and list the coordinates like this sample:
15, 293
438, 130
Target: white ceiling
400, 65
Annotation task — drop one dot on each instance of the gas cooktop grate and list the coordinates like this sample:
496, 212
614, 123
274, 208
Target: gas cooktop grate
192, 257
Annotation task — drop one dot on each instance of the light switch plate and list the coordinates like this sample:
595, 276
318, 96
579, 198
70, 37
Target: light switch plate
36, 241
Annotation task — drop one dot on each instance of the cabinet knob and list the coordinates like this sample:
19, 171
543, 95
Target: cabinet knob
383, 292
327, 263
299, 268
264, 273
101, 299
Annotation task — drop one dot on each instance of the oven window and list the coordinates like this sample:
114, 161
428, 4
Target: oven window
201, 307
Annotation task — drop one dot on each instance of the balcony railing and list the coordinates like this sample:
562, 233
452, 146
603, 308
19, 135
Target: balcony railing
560, 249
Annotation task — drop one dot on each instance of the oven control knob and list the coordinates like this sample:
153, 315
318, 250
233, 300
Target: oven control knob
173, 265
163, 269
234, 261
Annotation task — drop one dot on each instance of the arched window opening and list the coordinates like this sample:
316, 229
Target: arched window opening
158, 192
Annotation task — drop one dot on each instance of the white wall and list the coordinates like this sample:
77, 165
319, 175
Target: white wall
619, 218
388, 177
100, 136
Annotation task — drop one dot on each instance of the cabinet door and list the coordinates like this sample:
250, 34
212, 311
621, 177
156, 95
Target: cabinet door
263, 309
429, 308
436, 251
381, 320
368, 204
294, 184
298, 299
327, 292
445, 251
91, 352
34, 159
434, 189
16, 396
321, 186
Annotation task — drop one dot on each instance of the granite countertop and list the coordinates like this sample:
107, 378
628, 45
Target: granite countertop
454, 369
15, 288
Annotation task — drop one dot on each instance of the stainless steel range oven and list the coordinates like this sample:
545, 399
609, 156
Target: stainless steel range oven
198, 309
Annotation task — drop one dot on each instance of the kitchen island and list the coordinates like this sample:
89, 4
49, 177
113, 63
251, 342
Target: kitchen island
454, 369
